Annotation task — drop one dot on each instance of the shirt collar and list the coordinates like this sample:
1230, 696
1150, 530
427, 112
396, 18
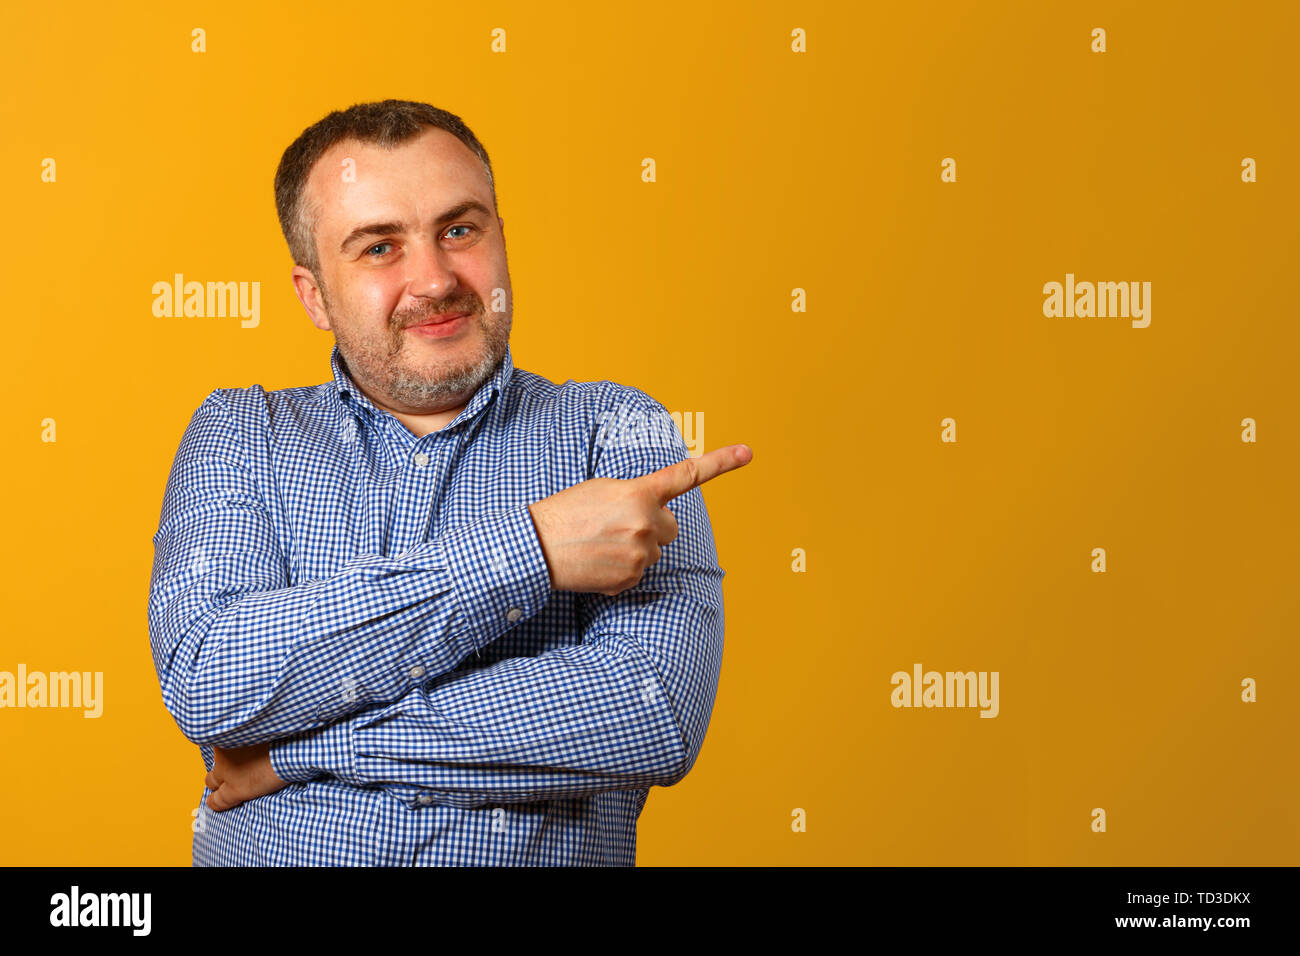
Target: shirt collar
344, 391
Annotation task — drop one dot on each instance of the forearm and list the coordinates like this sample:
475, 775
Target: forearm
625, 709
242, 661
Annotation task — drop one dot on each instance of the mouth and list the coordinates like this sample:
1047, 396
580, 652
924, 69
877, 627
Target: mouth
439, 319
441, 325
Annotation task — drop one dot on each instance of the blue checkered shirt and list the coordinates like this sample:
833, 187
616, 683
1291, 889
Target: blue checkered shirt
378, 606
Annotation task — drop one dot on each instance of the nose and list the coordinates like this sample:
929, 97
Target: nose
430, 274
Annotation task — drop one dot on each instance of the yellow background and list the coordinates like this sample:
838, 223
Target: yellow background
776, 171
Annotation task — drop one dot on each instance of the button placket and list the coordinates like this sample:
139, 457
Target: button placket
415, 494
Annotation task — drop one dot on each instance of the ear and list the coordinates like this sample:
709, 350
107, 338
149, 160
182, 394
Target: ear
309, 294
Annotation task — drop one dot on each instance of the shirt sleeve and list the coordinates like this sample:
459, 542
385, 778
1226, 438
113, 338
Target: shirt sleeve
244, 657
626, 707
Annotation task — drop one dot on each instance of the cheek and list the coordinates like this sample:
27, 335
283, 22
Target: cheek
376, 297
491, 275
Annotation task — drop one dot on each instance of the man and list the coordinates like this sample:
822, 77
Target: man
437, 610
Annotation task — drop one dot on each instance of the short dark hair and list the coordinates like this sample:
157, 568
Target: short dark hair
387, 123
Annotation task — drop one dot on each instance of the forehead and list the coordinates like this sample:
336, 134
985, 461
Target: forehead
354, 182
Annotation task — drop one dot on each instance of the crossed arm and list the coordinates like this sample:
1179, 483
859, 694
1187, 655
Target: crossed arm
625, 708
334, 672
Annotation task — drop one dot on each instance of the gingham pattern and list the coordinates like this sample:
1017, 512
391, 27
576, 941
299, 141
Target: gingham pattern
379, 606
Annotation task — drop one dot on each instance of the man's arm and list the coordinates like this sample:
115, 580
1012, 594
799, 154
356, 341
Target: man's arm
245, 658
627, 708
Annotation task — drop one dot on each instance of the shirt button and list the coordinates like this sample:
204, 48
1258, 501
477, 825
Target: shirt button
417, 672
421, 459
425, 799
514, 614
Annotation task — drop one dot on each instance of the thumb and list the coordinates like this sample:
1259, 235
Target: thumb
221, 798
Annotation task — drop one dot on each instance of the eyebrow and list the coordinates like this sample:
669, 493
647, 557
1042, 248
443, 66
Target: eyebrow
387, 228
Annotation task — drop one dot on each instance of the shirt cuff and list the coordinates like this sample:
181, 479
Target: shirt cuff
324, 752
499, 574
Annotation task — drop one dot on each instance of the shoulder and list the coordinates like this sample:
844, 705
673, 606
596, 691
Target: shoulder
253, 407
590, 400
621, 429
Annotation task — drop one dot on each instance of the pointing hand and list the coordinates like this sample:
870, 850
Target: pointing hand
600, 535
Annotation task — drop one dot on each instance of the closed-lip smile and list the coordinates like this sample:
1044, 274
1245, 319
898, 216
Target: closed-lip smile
439, 319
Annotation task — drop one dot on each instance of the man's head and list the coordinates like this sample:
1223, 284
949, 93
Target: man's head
390, 213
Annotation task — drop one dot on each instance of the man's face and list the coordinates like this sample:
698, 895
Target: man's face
398, 246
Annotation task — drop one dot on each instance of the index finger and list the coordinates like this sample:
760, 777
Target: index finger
667, 483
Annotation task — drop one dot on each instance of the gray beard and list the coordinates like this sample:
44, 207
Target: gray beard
452, 385
419, 393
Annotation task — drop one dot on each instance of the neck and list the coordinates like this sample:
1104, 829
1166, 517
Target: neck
421, 425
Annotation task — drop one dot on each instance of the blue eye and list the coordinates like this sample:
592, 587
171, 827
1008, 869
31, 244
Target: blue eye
459, 227
376, 246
